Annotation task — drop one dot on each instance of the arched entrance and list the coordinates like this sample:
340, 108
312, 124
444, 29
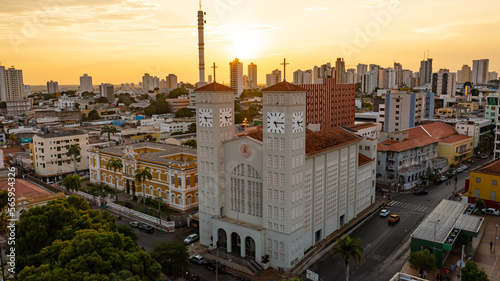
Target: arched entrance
235, 243
128, 186
221, 239
250, 248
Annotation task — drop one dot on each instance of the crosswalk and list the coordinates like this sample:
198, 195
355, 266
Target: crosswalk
407, 206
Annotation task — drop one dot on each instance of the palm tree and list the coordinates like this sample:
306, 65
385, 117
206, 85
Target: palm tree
141, 175
348, 248
115, 164
72, 182
486, 143
74, 150
108, 130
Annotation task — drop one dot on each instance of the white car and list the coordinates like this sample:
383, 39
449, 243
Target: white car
460, 169
384, 213
443, 178
191, 238
464, 167
490, 211
197, 259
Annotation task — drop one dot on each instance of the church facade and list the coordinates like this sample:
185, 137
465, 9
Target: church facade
280, 189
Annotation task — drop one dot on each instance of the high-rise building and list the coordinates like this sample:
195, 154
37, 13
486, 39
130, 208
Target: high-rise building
52, 87
444, 83
26, 90
369, 81
399, 77
426, 71
107, 90
86, 84
210, 79
466, 75
156, 82
330, 104
148, 82
480, 71
493, 75
383, 78
273, 78
11, 84
340, 71
321, 72
350, 76
171, 81
403, 110
236, 76
302, 77
360, 70
252, 76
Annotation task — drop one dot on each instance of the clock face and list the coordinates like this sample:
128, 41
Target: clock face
298, 122
276, 122
206, 117
226, 117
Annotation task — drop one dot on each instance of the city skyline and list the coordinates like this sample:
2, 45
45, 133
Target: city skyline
118, 41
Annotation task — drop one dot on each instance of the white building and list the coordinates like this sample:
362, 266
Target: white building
175, 127
11, 84
361, 69
480, 71
171, 81
321, 72
147, 83
444, 84
278, 190
52, 87
65, 102
473, 128
302, 77
85, 84
273, 78
107, 90
236, 76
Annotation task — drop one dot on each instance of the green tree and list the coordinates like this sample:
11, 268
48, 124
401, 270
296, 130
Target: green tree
191, 143
4, 199
348, 248
101, 100
161, 107
74, 150
109, 130
93, 255
126, 99
474, 92
486, 143
467, 84
172, 256
192, 128
472, 273
13, 139
423, 260
3, 104
72, 182
141, 175
115, 165
175, 93
144, 97
128, 231
149, 138
184, 112
480, 204
93, 115
150, 110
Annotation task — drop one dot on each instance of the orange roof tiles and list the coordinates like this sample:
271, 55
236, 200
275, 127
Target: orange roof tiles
492, 168
361, 126
215, 87
455, 138
391, 145
362, 160
283, 87
25, 189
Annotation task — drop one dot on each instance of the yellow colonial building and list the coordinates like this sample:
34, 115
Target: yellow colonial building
174, 170
456, 148
484, 183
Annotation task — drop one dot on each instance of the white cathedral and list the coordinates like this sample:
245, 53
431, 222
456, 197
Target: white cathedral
280, 189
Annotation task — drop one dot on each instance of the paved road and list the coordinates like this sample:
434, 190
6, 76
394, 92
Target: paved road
387, 246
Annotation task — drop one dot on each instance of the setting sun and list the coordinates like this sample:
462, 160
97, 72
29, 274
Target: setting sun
246, 45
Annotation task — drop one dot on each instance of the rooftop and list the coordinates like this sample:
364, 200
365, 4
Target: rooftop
25, 189
284, 87
65, 133
362, 159
214, 87
456, 138
491, 168
357, 127
447, 215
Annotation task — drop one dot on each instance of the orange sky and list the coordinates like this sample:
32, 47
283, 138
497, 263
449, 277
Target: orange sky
119, 40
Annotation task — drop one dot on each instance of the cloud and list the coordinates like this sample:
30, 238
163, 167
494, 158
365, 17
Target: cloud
315, 9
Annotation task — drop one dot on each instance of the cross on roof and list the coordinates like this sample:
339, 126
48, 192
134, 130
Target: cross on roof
214, 67
284, 64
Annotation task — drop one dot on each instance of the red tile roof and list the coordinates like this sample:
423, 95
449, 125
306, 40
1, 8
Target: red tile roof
391, 145
317, 142
491, 168
361, 126
456, 138
13, 149
284, 87
436, 130
25, 189
215, 87
362, 160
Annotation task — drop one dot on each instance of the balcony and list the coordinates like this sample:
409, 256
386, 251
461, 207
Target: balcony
391, 168
391, 158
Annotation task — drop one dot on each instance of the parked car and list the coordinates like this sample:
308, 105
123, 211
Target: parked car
393, 219
420, 192
198, 259
460, 169
147, 228
437, 181
491, 212
212, 265
453, 173
443, 178
135, 224
191, 238
464, 167
485, 156
384, 212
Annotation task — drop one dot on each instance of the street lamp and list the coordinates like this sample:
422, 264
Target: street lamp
496, 228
